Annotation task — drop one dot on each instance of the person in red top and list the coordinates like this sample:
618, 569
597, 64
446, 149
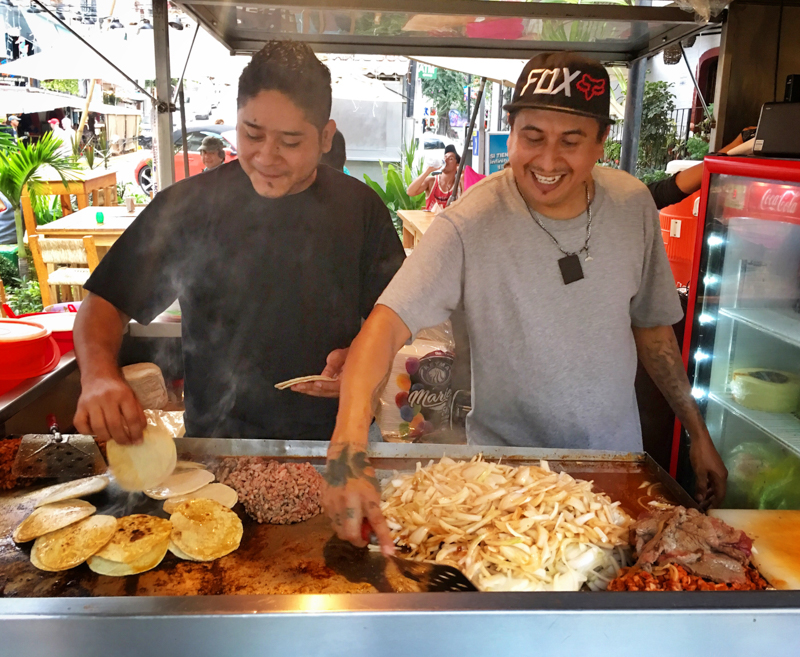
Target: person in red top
437, 188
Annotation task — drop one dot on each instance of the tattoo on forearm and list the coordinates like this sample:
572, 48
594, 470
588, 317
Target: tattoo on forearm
662, 360
348, 467
376, 394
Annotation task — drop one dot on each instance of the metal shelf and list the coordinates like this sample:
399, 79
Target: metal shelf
783, 427
784, 325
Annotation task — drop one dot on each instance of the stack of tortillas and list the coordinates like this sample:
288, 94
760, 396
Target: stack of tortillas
147, 383
138, 544
204, 530
147, 464
303, 379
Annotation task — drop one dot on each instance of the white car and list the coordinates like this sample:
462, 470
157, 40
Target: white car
433, 146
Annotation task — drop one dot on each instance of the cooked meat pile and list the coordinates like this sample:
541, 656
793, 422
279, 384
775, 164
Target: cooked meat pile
277, 493
704, 546
8, 452
676, 578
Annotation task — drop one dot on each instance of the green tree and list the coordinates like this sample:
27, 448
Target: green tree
20, 165
63, 86
446, 91
658, 132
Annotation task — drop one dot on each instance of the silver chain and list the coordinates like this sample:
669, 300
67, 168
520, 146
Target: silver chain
552, 237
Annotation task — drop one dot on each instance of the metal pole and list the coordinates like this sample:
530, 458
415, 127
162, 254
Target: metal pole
633, 116
186, 63
499, 122
694, 81
478, 105
482, 135
165, 167
184, 138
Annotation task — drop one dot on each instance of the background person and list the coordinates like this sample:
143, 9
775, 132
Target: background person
437, 187
337, 156
212, 152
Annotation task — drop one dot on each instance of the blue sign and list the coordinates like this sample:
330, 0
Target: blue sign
498, 151
475, 141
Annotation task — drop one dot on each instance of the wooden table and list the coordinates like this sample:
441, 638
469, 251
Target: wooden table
87, 186
415, 223
84, 222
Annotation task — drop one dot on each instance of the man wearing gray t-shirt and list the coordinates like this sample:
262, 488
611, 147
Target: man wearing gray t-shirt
564, 280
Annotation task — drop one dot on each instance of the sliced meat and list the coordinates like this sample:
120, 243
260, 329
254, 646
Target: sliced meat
706, 546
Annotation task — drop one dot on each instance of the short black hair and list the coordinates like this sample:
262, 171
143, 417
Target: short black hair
293, 69
337, 156
452, 149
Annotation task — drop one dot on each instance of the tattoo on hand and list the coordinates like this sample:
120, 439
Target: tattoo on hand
348, 467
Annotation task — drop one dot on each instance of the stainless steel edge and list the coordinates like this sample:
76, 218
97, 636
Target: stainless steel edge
17, 398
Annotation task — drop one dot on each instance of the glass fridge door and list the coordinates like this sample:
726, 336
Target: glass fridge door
744, 360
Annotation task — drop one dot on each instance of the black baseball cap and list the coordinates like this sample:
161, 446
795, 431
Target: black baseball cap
564, 82
452, 149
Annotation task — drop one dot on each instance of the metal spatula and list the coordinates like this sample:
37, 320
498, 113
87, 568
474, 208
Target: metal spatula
56, 455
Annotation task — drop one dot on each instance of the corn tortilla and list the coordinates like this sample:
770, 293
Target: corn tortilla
180, 483
49, 518
221, 493
205, 529
146, 465
70, 546
146, 562
189, 465
136, 536
179, 553
74, 489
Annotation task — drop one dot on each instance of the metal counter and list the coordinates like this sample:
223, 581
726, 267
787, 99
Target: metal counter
125, 618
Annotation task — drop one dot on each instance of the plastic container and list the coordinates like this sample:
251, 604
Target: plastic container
27, 350
60, 324
679, 231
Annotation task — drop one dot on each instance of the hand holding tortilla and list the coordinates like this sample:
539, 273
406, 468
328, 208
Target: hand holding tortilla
324, 385
146, 465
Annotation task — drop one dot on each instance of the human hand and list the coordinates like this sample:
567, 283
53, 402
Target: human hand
352, 495
710, 473
333, 368
108, 409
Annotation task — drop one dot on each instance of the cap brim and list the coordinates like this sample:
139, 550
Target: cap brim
513, 107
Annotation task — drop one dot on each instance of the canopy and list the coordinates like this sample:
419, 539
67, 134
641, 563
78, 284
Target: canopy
26, 100
361, 88
503, 71
611, 31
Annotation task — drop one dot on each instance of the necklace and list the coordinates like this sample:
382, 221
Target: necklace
570, 264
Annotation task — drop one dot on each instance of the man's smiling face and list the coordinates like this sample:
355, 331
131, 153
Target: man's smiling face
279, 149
552, 154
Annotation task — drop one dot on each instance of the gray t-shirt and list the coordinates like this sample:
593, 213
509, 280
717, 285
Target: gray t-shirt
553, 365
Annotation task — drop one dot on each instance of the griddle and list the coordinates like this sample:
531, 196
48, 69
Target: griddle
291, 559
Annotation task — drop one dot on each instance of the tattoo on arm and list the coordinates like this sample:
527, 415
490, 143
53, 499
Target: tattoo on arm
348, 467
662, 360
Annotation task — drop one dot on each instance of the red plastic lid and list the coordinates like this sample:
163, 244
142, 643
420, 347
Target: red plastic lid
17, 330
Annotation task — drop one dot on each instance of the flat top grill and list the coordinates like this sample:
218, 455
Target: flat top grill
288, 559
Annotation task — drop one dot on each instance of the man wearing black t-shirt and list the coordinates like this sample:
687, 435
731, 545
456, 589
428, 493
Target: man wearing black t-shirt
275, 262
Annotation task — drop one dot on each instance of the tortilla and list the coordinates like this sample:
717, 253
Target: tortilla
72, 545
189, 465
49, 518
74, 489
180, 483
303, 379
136, 536
205, 530
221, 493
146, 465
146, 562
179, 553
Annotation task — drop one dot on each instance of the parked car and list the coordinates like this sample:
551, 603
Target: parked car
433, 146
194, 138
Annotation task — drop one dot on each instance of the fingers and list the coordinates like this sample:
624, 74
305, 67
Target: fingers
719, 486
335, 362
134, 418
353, 518
328, 389
379, 526
701, 485
81, 421
97, 423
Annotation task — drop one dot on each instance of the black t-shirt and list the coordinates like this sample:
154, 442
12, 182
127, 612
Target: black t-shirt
267, 287
666, 192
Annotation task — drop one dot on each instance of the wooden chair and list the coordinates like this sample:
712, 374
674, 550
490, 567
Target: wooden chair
49, 253
97, 187
3, 298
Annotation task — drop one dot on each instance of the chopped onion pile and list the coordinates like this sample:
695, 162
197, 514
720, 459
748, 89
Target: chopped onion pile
508, 528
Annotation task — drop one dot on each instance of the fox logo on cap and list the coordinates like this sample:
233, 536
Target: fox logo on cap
540, 75
591, 87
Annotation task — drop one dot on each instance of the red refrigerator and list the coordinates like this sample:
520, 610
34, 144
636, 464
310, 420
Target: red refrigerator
742, 340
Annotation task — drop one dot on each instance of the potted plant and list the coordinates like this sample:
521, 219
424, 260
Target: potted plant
21, 164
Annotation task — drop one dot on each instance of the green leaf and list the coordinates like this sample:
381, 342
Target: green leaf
378, 189
396, 189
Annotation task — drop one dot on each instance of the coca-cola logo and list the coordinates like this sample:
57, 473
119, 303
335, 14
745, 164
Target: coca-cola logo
785, 201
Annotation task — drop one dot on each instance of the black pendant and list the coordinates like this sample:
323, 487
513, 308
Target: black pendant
571, 269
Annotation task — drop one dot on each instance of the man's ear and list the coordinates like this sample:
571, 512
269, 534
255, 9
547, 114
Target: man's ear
326, 136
